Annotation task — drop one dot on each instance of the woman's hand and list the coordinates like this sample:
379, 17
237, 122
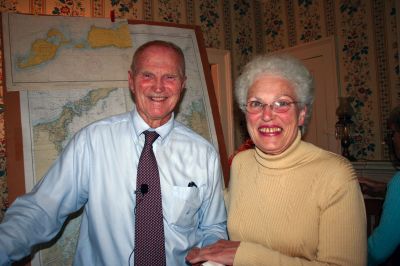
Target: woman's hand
222, 252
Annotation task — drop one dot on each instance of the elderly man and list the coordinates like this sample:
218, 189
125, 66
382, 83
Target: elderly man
146, 217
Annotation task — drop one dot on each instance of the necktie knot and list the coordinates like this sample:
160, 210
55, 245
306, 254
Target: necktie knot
150, 137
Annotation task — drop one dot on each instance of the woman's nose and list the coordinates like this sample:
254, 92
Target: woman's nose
267, 113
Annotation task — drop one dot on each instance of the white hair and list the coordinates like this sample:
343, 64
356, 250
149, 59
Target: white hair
285, 66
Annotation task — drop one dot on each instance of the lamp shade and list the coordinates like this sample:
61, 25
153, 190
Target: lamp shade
345, 108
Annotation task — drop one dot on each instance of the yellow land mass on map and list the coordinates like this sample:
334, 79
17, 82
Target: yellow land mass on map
58, 34
101, 37
48, 140
45, 152
43, 50
48, 137
99, 94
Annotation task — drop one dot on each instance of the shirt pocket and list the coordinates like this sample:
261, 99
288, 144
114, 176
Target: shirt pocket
181, 205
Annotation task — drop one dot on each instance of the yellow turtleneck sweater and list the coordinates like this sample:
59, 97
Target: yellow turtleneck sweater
301, 207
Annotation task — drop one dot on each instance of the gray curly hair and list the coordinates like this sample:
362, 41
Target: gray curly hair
285, 66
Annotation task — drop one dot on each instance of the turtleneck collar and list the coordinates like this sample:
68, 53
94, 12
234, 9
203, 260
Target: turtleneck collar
289, 158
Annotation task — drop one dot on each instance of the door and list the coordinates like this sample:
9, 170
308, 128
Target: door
220, 64
320, 58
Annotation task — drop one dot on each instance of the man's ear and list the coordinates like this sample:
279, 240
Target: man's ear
183, 85
131, 82
302, 116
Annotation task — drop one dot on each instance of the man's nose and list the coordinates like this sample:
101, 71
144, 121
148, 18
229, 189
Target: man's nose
159, 85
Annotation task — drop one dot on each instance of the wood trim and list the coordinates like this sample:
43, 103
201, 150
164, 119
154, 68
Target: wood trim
220, 61
381, 171
214, 106
13, 137
14, 148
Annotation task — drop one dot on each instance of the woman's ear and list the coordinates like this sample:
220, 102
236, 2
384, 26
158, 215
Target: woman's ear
302, 116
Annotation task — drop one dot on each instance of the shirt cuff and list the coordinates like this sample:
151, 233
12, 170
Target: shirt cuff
4, 260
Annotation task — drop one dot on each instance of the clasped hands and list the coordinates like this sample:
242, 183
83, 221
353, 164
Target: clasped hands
223, 252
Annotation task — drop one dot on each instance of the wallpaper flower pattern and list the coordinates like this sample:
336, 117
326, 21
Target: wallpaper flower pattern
125, 8
274, 25
394, 51
169, 11
8, 5
355, 55
309, 18
238, 25
3, 180
210, 20
243, 38
3, 158
68, 8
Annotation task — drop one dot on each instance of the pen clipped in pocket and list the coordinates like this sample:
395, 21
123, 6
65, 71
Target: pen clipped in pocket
181, 205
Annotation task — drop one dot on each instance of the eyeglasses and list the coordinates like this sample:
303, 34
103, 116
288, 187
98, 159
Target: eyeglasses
280, 106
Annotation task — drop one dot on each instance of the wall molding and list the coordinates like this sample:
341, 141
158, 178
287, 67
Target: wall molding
376, 170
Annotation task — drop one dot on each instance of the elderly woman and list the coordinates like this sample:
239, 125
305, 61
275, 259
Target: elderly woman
289, 202
386, 237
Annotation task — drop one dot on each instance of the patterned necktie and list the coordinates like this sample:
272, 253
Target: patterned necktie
149, 227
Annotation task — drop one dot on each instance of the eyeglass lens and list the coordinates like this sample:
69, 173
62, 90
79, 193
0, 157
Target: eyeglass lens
276, 106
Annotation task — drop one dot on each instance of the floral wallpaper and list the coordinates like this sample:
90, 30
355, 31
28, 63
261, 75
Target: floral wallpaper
170, 11
3, 179
366, 33
124, 8
391, 96
68, 8
210, 21
357, 80
308, 22
243, 47
274, 26
3, 159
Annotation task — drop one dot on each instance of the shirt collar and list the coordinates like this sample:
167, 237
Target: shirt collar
140, 126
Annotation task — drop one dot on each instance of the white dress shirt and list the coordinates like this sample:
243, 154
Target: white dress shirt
97, 170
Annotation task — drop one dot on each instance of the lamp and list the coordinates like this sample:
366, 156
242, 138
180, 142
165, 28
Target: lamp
344, 126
